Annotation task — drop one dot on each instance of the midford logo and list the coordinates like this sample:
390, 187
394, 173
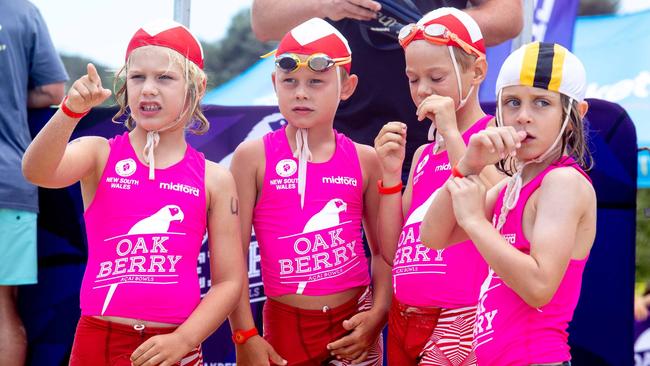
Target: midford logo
125, 168
286, 167
179, 187
347, 181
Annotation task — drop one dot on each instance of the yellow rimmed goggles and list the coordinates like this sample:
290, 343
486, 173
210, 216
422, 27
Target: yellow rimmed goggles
318, 62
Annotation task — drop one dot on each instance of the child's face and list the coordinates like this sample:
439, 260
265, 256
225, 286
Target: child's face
429, 70
536, 111
308, 98
156, 88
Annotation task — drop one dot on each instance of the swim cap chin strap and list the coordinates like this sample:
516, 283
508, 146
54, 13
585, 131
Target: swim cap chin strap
303, 154
153, 138
432, 135
515, 183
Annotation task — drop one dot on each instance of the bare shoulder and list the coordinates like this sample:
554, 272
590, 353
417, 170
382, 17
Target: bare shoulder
248, 147
366, 153
567, 182
249, 154
217, 177
95, 146
418, 152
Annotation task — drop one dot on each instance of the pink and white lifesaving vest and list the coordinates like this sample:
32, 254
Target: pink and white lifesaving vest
447, 278
508, 331
317, 250
144, 238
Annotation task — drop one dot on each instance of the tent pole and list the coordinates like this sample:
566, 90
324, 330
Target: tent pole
526, 35
182, 11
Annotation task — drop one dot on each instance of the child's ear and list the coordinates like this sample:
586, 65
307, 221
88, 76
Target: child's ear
480, 68
348, 85
583, 107
273, 80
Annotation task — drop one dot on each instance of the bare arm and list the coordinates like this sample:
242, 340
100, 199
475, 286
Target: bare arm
46, 95
499, 20
390, 147
49, 161
227, 266
271, 19
555, 238
245, 167
245, 175
381, 272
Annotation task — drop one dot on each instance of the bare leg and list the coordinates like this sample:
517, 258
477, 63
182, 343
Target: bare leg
13, 338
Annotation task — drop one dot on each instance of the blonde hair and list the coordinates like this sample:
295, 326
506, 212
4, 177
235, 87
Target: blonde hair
465, 60
195, 83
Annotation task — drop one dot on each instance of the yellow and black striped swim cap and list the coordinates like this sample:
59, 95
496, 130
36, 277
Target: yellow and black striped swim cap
547, 66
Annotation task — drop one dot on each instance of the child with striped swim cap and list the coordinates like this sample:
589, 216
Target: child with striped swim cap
536, 228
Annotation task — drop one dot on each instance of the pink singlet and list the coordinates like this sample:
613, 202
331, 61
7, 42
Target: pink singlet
447, 278
510, 332
144, 238
316, 250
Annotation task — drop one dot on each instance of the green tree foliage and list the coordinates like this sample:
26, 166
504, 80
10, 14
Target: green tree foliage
236, 52
643, 235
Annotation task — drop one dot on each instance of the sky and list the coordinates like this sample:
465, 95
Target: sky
76, 26
101, 29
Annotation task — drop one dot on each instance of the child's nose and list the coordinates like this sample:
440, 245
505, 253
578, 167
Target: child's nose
149, 87
301, 92
524, 115
424, 90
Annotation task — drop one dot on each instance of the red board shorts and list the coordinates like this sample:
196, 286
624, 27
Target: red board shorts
301, 336
99, 342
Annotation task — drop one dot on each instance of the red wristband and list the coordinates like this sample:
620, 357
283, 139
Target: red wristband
241, 336
388, 190
456, 173
68, 112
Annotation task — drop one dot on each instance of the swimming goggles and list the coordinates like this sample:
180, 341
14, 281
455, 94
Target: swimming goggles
437, 34
318, 62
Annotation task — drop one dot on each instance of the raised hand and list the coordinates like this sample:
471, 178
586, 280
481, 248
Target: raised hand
441, 111
390, 145
489, 146
353, 9
87, 92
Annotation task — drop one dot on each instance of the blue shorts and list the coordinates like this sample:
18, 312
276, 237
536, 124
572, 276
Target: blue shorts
18, 262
